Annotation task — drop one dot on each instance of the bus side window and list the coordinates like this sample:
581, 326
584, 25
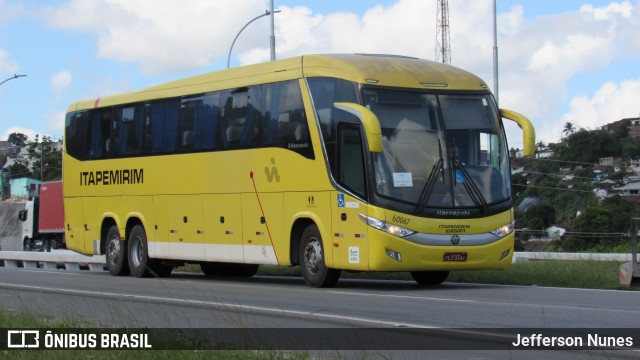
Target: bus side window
240, 117
97, 143
131, 122
163, 123
76, 131
205, 121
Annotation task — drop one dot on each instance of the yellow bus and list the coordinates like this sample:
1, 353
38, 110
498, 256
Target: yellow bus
327, 162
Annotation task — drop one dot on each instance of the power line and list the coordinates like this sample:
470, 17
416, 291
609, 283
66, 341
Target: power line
554, 188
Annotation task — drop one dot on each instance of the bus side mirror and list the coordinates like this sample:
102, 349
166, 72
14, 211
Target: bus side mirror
369, 121
528, 132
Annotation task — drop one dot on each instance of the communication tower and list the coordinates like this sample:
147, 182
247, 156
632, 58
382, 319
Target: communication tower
443, 46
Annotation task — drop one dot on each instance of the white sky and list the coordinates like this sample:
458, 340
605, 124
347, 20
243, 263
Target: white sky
569, 60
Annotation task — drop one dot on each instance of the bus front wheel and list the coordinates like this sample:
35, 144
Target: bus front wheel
429, 278
116, 253
314, 270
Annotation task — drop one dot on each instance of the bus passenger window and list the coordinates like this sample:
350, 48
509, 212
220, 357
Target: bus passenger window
130, 130
76, 134
163, 124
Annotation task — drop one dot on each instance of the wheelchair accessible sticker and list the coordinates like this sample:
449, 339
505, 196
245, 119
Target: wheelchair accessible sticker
348, 204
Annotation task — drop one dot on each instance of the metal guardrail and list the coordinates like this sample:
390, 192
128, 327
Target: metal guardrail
53, 260
526, 256
70, 260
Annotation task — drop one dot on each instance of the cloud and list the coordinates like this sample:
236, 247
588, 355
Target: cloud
31, 134
7, 66
161, 36
55, 122
61, 81
10, 11
611, 102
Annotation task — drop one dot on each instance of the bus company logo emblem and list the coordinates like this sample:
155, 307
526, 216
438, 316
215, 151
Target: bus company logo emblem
273, 172
455, 239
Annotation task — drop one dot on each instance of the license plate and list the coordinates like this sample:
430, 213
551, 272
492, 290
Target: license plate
455, 256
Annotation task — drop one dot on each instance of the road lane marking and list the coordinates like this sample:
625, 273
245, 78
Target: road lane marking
337, 318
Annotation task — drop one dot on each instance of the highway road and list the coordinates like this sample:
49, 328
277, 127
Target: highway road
187, 300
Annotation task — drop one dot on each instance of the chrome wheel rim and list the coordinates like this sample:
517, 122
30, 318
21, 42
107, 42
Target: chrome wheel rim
313, 256
113, 250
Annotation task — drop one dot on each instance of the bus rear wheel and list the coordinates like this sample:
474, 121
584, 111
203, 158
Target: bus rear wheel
138, 252
314, 270
429, 278
138, 255
115, 251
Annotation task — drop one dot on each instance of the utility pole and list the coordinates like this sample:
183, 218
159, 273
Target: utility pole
495, 51
443, 46
272, 39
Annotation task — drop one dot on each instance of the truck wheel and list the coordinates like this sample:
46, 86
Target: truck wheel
429, 278
138, 252
26, 245
116, 253
312, 265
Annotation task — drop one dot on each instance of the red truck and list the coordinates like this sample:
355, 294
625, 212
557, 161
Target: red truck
43, 219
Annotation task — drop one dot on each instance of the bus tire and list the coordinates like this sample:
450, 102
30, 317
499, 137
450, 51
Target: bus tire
314, 270
243, 270
429, 278
115, 251
211, 269
138, 252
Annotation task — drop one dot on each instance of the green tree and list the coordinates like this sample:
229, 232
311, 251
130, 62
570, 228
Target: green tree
46, 156
19, 169
602, 225
588, 146
568, 129
18, 139
540, 216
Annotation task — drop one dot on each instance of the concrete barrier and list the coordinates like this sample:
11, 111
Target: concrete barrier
55, 259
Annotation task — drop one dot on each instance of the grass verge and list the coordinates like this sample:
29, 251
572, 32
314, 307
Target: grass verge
571, 274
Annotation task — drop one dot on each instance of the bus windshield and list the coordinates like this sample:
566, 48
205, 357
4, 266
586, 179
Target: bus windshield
439, 151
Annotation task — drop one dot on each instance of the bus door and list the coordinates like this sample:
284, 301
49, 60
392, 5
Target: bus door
349, 241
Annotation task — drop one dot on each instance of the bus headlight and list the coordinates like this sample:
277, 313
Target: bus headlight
504, 230
385, 226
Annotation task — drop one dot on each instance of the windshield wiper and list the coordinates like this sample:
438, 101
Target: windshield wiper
431, 180
472, 188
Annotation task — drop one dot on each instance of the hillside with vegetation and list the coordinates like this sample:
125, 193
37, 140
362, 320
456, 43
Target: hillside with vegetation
574, 190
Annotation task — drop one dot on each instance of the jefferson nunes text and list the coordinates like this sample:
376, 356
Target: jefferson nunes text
112, 177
